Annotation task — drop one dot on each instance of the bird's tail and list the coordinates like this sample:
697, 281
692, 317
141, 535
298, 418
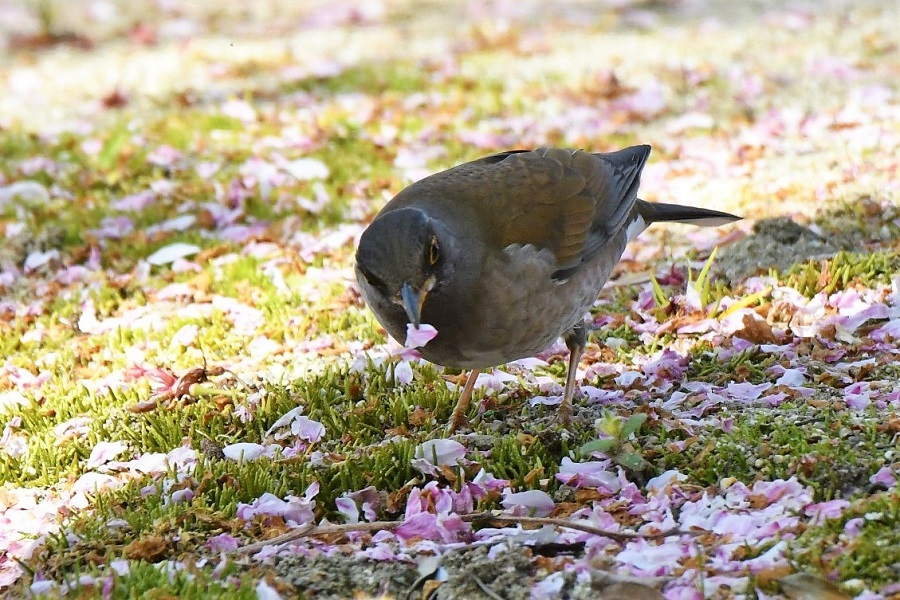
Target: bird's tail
651, 212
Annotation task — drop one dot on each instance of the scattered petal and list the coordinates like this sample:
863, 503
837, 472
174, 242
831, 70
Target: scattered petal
264, 591
169, 254
104, 452
403, 372
307, 429
884, 477
534, 501
222, 543
441, 452
418, 337
305, 169
244, 451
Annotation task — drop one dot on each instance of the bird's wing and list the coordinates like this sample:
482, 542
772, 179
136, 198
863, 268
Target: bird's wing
568, 201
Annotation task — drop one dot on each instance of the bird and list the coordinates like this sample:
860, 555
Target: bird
505, 254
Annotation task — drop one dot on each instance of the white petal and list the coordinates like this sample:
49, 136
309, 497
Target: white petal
168, 254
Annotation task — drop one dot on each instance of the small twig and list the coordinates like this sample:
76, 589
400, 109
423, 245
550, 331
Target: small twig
311, 529
425, 573
375, 526
569, 524
282, 539
416, 584
484, 588
601, 580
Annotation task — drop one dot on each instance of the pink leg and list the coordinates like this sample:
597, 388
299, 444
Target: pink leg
459, 412
575, 340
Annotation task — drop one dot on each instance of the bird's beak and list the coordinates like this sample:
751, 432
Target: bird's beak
412, 303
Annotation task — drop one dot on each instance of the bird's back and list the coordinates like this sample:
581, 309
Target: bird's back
547, 227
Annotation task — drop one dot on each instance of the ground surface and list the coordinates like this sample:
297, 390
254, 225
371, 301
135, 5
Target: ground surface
188, 370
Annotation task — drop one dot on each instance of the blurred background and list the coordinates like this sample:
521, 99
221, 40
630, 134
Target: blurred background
728, 88
182, 183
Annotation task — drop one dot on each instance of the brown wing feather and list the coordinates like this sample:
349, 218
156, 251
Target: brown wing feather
568, 201
543, 204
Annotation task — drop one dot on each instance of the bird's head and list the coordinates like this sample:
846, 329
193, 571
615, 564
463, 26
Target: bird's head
404, 256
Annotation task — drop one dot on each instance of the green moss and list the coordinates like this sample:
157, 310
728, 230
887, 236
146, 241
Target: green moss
873, 555
245, 278
512, 460
844, 270
860, 220
191, 128
373, 424
17, 144
155, 581
827, 449
397, 77
749, 365
622, 332
109, 299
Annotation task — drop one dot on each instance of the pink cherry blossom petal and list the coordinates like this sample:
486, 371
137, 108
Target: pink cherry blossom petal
104, 452
307, 429
588, 474
244, 451
172, 252
885, 477
418, 337
222, 543
440, 452
534, 502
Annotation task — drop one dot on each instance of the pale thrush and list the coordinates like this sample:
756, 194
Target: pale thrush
505, 254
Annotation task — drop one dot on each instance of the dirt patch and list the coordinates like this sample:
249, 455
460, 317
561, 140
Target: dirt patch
337, 577
509, 574
775, 244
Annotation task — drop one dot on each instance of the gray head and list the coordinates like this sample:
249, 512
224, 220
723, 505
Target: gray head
404, 256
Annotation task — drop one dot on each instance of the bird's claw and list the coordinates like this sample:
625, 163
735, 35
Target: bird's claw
564, 415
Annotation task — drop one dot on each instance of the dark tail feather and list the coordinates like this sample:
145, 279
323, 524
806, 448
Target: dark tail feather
652, 212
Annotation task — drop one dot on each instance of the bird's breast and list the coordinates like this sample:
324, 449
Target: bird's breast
515, 309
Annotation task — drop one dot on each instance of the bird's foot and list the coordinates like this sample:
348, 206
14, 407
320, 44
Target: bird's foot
455, 423
575, 340
564, 414
458, 418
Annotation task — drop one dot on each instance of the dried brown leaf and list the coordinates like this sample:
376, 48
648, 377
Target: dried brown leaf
152, 549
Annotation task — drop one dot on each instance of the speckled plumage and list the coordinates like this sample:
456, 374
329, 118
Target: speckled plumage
505, 254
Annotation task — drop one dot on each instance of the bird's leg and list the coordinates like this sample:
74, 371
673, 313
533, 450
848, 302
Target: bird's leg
459, 412
575, 340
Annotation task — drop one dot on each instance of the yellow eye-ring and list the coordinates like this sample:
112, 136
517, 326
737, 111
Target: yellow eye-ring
434, 253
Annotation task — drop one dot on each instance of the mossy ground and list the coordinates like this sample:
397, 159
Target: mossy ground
371, 122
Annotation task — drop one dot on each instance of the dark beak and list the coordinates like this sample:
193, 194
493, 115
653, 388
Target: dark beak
412, 303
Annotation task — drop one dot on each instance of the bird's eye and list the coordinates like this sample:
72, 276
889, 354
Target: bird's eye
434, 252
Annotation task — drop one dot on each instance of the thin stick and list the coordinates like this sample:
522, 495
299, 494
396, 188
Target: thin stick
290, 536
619, 536
418, 583
484, 588
312, 530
